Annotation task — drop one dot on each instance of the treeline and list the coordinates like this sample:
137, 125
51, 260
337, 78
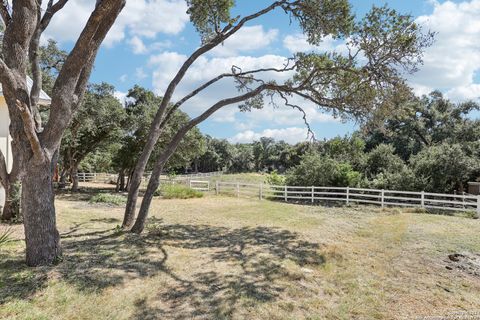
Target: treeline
434, 145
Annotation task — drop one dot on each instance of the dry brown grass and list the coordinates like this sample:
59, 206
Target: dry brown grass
228, 258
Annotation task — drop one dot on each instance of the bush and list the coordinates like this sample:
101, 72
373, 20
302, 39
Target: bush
275, 179
178, 191
383, 160
111, 199
401, 180
443, 167
315, 170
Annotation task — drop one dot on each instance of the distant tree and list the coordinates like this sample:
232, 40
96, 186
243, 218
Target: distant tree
443, 168
348, 149
218, 155
98, 122
263, 152
424, 122
140, 109
242, 160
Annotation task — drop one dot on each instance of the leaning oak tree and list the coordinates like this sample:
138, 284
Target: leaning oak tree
364, 82
35, 146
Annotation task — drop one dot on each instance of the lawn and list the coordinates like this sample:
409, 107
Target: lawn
229, 258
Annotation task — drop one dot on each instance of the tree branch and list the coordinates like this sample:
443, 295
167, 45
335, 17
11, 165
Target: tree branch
52, 9
304, 114
30, 132
71, 81
5, 12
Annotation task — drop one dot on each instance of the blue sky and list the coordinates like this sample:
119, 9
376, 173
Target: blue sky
153, 37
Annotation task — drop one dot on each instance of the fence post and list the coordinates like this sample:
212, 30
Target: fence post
383, 198
217, 185
189, 183
478, 206
286, 194
348, 196
313, 194
261, 191
423, 199
95, 177
238, 190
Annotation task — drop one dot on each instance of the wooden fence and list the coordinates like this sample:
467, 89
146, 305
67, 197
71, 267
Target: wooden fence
112, 177
383, 198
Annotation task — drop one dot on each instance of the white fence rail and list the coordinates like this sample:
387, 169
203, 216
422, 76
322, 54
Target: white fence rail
94, 177
199, 185
348, 195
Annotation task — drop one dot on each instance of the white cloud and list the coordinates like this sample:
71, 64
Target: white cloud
138, 47
123, 78
451, 63
140, 74
298, 43
290, 135
139, 18
121, 96
168, 63
247, 39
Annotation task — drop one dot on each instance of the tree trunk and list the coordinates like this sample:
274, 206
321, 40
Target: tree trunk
41, 236
153, 185
11, 210
121, 181
74, 176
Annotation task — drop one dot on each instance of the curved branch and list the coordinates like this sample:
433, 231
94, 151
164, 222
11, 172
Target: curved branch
304, 114
70, 84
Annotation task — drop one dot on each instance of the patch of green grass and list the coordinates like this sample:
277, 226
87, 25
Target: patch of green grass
110, 199
178, 191
5, 236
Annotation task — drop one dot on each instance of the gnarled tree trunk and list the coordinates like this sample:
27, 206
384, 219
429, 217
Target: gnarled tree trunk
41, 235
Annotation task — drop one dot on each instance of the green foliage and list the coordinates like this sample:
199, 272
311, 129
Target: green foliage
383, 160
96, 126
426, 121
275, 179
110, 199
51, 62
393, 180
321, 171
443, 168
140, 108
178, 191
208, 16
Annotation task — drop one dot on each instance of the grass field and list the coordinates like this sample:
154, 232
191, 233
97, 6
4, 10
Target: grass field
229, 258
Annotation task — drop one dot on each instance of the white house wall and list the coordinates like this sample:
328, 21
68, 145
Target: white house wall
4, 141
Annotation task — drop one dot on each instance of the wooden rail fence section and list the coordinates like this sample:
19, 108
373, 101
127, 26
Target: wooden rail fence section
112, 177
348, 195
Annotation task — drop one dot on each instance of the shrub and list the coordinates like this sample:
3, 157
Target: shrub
315, 170
111, 199
442, 168
178, 191
275, 179
383, 160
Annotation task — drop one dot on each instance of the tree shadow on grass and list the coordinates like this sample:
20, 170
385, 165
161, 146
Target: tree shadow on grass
254, 258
